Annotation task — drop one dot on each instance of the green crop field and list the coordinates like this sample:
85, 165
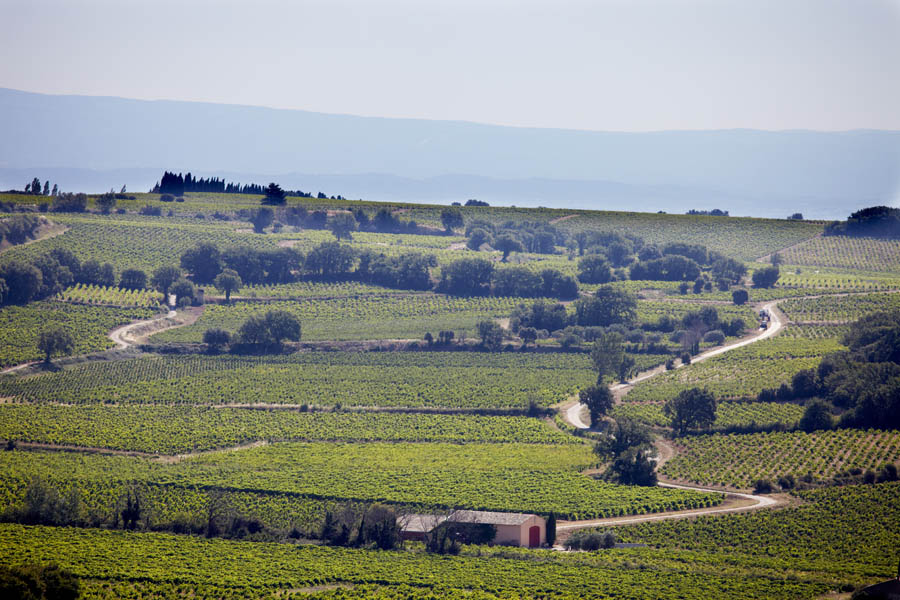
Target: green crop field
839, 309
729, 414
412, 379
737, 460
21, 326
818, 280
507, 477
854, 525
128, 564
862, 254
739, 373
170, 430
650, 311
111, 296
358, 318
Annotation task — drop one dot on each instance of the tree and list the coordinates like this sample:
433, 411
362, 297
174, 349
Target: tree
262, 218
634, 468
275, 195
622, 436
451, 218
691, 409
106, 202
777, 260
599, 401
55, 341
467, 277
23, 281
506, 243
796, 217
607, 307
4, 291
528, 335
556, 285
46, 191
133, 279
342, 225
816, 416
607, 354
765, 277
517, 282
216, 338
491, 334
551, 529
203, 262
163, 278
740, 297
270, 329
184, 291
477, 238
93, 273
36, 186
594, 269
228, 281
330, 260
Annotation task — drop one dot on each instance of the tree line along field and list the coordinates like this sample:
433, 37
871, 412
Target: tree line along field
742, 372
728, 414
21, 326
537, 478
863, 254
179, 429
126, 563
839, 309
406, 379
755, 456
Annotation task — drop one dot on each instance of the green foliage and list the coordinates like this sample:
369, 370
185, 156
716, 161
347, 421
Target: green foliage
694, 408
55, 340
765, 277
728, 414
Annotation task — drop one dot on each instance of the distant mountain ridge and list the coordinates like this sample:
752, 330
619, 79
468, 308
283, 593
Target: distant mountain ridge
92, 140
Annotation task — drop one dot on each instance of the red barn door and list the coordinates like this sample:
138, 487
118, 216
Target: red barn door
534, 537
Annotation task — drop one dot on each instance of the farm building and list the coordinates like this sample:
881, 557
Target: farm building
515, 529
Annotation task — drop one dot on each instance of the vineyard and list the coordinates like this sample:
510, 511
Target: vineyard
171, 430
359, 318
505, 477
739, 373
852, 524
412, 379
839, 309
821, 280
125, 564
110, 296
20, 327
729, 414
739, 460
863, 254
650, 311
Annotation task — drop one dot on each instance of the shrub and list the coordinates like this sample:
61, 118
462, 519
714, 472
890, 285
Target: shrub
762, 486
740, 297
716, 336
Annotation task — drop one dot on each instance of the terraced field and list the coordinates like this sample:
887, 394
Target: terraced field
739, 373
171, 430
839, 309
770, 455
412, 379
863, 254
729, 414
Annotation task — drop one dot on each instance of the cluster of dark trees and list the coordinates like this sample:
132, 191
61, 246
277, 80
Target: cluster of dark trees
479, 277
22, 282
716, 212
876, 221
34, 188
19, 229
861, 383
376, 526
177, 185
513, 236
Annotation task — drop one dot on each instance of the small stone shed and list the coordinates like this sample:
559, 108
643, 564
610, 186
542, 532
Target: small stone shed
515, 529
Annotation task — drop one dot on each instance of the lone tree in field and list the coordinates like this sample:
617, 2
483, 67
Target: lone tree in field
506, 243
691, 409
765, 277
275, 195
622, 436
216, 338
342, 225
270, 329
262, 218
491, 334
55, 341
599, 400
607, 355
228, 281
740, 297
451, 218
163, 278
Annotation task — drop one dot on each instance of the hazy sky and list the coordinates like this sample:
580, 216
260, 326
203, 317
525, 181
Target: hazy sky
592, 64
